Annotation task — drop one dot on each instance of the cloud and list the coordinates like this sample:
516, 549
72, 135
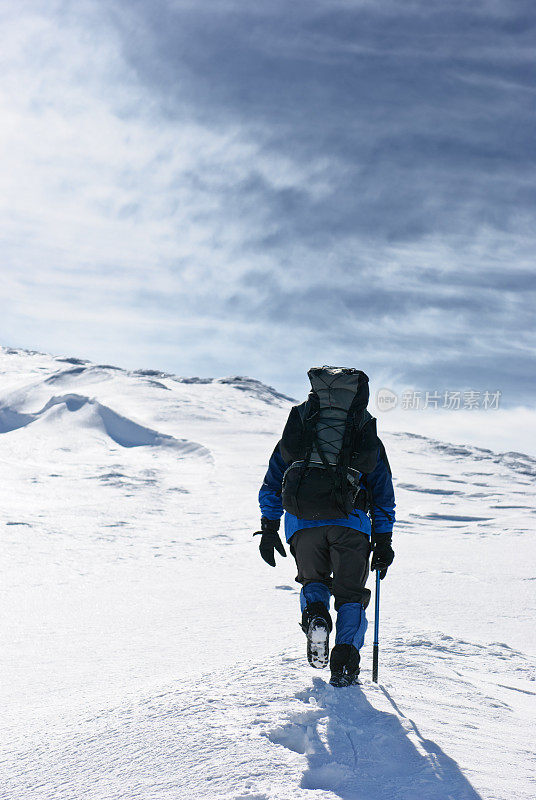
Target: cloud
226, 187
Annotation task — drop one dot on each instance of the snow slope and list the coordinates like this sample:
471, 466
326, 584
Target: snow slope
148, 652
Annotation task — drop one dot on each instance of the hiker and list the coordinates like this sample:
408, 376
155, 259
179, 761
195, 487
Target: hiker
330, 474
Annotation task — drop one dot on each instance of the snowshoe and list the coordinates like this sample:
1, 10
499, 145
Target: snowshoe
317, 624
344, 665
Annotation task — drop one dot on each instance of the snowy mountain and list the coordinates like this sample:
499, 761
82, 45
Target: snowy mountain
148, 652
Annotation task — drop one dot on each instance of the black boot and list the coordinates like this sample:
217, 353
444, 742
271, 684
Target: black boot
316, 624
344, 665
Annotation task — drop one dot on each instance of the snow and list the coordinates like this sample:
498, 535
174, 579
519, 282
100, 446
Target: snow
148, 652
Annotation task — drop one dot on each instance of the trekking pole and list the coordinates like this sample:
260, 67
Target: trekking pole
376, 645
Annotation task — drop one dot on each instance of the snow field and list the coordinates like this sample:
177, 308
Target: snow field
148, 652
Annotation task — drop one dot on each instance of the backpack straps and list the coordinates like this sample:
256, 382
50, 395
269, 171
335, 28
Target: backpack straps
312, 409
335, 474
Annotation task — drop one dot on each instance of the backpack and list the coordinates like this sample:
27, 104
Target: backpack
334, 445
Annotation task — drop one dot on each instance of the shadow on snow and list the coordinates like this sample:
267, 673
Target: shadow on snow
360, 753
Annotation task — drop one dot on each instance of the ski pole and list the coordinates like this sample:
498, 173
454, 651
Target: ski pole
376, 645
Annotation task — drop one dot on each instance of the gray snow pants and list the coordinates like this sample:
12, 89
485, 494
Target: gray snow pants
335, 556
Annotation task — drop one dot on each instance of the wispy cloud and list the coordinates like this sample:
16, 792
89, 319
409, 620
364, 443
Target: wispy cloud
222, 187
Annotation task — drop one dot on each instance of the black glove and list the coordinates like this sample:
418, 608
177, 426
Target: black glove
382, 554
270, 540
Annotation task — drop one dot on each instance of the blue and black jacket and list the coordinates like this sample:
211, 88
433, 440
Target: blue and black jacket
377, 486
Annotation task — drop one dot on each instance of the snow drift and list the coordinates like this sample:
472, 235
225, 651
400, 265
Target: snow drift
96, 416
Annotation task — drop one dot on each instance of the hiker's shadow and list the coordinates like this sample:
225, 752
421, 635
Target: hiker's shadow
360, 753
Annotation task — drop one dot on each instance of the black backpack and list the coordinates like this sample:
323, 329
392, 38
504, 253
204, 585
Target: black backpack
334, 444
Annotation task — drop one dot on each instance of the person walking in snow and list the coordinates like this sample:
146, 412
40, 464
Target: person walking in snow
329, 473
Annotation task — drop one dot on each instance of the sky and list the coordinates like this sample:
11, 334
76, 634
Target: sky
214, 187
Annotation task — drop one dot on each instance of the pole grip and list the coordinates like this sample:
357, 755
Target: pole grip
375, 650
